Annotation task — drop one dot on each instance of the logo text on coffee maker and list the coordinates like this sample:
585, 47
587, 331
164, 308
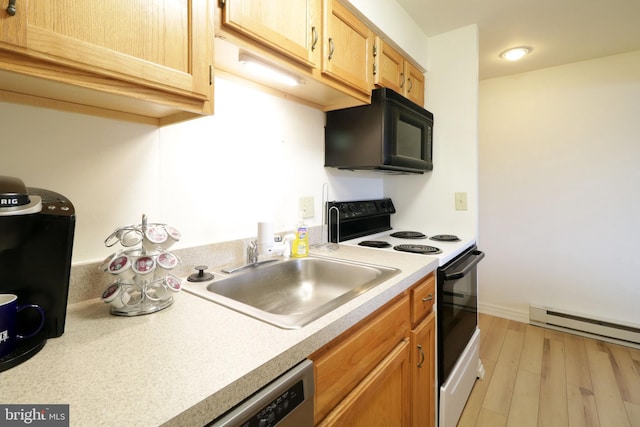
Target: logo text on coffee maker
10, 202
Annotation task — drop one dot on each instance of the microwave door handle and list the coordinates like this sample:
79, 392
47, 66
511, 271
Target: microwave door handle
478, 255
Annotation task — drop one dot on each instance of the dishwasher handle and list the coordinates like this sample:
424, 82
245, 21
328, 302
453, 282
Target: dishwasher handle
475, 256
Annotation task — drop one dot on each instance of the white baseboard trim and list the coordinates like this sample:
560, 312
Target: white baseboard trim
504, 312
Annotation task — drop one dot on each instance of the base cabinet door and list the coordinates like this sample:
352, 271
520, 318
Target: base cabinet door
423, 373
381, 399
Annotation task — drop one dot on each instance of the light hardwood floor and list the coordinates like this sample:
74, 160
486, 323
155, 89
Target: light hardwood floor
540, 377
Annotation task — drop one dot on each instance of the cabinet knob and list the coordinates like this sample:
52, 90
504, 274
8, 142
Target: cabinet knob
11, 9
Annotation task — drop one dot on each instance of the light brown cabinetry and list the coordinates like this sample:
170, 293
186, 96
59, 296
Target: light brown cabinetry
381, 399
289, 28
347, 46
319, 42
423, 353
394, 71
142, 60
381, 372
368, 363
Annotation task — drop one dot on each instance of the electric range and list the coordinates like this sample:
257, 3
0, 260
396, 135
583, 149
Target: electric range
367, 223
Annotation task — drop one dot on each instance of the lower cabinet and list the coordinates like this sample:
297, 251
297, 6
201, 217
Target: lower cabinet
382, 398
381, 372
423, 342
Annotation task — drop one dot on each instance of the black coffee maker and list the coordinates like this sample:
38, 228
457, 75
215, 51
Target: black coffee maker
36, 242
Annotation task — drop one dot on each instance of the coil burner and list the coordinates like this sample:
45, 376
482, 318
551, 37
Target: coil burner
418, 249
445, 238
375, 244
408, 235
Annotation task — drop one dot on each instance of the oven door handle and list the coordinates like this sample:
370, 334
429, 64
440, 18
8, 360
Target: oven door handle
477, 255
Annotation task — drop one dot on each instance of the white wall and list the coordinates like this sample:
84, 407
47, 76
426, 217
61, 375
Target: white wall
213, 178
559, 176
401, 29
452, 97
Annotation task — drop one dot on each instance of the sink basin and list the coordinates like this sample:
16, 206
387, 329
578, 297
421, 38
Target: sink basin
289, 294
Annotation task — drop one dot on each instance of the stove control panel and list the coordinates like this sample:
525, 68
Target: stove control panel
361, 208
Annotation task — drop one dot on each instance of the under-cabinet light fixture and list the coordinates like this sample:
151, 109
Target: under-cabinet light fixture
269, 71
515, 53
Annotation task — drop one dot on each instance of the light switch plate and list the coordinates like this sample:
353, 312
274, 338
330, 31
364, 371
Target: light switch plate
461, 201
306, 207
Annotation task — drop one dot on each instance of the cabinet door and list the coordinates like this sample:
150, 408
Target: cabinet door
158, 43
423, 373
381, 399
393, 71
388, 66
347, 47
344, 362
414, 84
289, 27
13, 34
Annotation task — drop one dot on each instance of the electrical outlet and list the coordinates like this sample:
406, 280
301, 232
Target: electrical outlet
461, 201
306, 206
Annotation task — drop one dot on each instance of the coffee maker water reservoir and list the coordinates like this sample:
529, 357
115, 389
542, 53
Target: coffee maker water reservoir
36, 241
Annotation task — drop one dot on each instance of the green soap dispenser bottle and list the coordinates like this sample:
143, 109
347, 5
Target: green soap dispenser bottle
301, 242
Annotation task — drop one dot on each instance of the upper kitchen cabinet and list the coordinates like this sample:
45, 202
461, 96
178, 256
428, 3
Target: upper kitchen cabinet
346, 47
290, 28
141, 60
413, 87
319, 44
392, 70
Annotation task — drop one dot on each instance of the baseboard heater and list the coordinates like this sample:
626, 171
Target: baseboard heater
606, 330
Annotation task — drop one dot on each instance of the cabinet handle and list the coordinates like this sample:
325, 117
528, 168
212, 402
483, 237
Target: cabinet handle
428, 298
314, 43
332, 48
402, 80
11, 9
421, 356
410, 85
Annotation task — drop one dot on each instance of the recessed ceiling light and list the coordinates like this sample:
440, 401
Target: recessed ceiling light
515, 53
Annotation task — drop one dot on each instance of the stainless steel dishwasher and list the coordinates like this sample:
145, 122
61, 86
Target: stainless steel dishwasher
287, 401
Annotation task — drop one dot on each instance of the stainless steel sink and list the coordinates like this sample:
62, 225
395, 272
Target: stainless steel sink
289, 294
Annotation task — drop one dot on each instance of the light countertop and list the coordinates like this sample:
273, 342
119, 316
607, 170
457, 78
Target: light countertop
187, 364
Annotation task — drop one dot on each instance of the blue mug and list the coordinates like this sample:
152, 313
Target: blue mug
9, 310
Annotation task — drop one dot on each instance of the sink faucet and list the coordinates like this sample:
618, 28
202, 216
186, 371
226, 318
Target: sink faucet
280, 247
252, 252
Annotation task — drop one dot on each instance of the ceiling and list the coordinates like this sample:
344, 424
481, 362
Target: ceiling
558, 31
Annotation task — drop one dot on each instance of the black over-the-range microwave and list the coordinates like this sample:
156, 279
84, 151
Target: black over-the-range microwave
392, 134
